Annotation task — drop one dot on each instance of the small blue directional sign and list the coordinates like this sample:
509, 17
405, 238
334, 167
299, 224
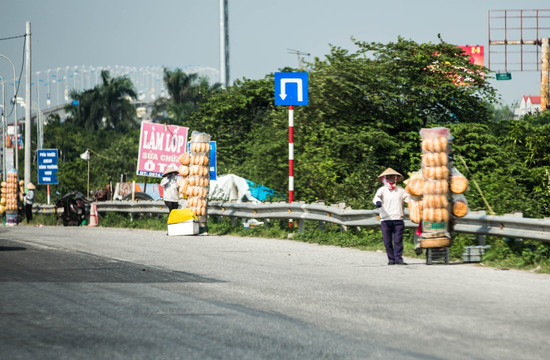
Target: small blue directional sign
47, 166
291, 88
213, 161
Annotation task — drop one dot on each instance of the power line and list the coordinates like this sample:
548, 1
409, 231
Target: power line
12, 37
298, 54
18, 81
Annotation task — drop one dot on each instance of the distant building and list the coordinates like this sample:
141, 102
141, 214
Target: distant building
529, 105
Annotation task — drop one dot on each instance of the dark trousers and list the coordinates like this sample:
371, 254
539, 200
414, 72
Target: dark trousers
392, 233
172, 205
28, 212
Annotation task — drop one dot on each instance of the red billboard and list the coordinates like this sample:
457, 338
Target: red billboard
160, 145
477, 55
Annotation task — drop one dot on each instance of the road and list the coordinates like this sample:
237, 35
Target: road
98, 293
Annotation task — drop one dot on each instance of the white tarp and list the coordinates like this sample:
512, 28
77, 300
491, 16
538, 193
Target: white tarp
230, 188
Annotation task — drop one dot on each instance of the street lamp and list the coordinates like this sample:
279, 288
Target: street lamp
75, 72
15, 112
57, 85
48, 97
66, 78
82, 77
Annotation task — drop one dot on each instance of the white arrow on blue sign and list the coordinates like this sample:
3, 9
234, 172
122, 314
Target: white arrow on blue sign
291, 88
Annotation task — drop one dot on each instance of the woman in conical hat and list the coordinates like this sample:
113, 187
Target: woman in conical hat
169, 170
169, 183
29, 201
389, 172
389, 199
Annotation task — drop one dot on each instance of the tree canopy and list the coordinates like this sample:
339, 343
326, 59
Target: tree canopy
107, 105
185, 93
365, 111
366, 108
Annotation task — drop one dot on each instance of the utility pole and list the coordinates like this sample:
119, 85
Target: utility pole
544, 59
224, 44
298, 54
28, 143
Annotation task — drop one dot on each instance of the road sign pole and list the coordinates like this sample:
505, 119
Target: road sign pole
290, 158
291, 89
290, 154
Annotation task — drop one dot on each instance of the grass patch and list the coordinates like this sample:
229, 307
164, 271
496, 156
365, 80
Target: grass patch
134, 221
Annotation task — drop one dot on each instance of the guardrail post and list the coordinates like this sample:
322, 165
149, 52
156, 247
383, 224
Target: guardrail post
234, 221
322, 225
481, 240
301, 225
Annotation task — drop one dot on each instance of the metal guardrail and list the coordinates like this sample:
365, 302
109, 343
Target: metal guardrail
512, 226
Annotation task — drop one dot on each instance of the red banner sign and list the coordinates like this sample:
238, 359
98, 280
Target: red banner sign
160, 145
477, 55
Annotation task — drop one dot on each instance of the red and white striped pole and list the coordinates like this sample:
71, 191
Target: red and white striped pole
290, 154
290, 158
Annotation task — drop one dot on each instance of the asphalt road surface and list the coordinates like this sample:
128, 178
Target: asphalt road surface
98, 293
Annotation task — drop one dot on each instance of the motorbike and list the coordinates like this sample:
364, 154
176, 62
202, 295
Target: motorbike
72, 208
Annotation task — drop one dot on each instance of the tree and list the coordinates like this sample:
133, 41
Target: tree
107, 105
232, 118
365, 111
113, 152
186, 93
116, 95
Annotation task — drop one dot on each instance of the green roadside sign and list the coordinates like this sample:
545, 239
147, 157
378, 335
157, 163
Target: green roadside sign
504, 76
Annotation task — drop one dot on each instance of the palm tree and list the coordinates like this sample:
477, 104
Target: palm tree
116, 94
186, 92
107, 105
85, 110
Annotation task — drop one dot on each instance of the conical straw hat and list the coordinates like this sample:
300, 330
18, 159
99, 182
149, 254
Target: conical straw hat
390, 171
169, 170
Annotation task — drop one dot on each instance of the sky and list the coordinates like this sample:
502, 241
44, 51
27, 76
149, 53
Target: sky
186, 33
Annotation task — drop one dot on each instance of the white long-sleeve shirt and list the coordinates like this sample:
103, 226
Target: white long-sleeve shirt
170, 185
29, 197
392, 202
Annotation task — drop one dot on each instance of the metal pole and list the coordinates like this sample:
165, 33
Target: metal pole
57, 86
28, 143
224, 44
545, 57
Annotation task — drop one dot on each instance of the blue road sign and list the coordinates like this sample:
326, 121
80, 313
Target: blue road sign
213, 161
47, 166
291, 88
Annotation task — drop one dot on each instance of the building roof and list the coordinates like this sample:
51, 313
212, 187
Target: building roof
534, 99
